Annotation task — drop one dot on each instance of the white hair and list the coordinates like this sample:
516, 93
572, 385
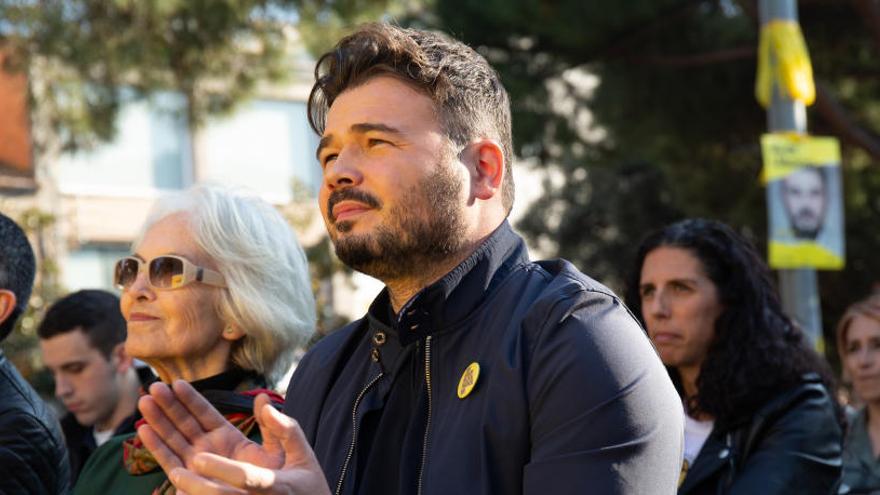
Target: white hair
269, 295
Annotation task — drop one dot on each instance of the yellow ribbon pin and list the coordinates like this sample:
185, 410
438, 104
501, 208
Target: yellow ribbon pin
468, 380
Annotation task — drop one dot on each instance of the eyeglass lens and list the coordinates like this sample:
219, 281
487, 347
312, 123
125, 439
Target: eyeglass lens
164, 272
126, 272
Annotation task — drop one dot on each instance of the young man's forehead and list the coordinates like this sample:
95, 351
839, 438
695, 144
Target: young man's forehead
68, 341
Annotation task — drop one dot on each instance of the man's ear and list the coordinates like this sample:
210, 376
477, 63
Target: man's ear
487, 169
122, 361
7, 303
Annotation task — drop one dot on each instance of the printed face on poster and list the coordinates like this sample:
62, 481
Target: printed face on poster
804, 201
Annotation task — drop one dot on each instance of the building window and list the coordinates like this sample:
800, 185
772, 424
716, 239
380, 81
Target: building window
91, 266
151, 152
266, 146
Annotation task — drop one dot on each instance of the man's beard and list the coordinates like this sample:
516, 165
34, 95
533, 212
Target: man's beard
806, 225
424, 226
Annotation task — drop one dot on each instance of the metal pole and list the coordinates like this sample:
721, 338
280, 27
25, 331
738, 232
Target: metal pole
798, 288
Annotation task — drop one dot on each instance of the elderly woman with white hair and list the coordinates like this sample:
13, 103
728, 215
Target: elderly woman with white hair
216, 293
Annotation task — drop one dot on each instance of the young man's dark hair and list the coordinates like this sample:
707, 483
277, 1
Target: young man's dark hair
467, 93
18, 268
95, 312
33, 458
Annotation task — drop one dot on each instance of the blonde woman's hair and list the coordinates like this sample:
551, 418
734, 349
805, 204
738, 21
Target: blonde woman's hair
868, 307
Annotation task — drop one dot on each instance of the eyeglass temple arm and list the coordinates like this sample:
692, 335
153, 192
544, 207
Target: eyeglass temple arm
210, 277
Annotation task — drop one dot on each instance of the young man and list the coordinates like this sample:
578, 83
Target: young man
476, 370
32, 454
82, 338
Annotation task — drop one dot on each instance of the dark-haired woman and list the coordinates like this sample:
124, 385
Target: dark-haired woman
760, 415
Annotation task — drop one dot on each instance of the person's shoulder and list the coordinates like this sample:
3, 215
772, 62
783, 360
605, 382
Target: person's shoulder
566, 290
564, 278
22, 412
805, 402
809, 388
574, 312
21, 429
17, 393
31, 453
104, 472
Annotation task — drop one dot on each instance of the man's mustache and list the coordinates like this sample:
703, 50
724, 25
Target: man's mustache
350, 194
806, 213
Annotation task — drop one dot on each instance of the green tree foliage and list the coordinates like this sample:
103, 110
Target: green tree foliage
82, 52
323, 22
671, 127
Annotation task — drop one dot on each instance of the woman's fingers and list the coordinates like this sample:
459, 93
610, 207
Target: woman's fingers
175, 411
162, 430
166, 458
190, 482
199, 409
237, 474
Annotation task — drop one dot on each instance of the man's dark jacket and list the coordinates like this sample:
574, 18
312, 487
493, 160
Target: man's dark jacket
792, 444
570, 398
33, 459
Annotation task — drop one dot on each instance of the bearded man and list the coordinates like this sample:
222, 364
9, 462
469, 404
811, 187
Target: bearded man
476, 370
805, 199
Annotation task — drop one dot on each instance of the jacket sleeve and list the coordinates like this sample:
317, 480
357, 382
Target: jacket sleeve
605, 417
798, 452
27, 452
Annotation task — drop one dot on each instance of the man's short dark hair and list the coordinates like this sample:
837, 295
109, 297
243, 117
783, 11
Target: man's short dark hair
95, 312
467, 92
18, 267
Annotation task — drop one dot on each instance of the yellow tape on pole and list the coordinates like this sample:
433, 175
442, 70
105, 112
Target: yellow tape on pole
783, 60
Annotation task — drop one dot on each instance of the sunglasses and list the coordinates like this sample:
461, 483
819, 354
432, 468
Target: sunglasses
164, 272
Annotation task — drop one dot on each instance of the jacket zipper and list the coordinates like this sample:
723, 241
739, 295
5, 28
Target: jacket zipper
354, 430
428, 423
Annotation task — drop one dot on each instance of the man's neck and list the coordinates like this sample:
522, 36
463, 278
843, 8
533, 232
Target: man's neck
126, 405
402, 289
688, 375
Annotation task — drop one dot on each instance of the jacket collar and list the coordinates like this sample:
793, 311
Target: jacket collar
452, 298
715, 454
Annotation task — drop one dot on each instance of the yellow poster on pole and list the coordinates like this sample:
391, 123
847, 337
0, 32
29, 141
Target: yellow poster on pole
804, 201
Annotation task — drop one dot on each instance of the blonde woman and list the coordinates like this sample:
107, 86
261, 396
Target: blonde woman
858, 342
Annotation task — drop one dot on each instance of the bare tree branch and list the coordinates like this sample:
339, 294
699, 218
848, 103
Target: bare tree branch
749, 8
835, 115
698, 59
869, 10
628, 37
